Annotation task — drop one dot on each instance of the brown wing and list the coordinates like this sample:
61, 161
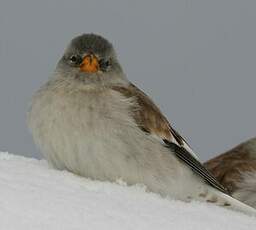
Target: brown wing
150, 119
227, 167
148, 116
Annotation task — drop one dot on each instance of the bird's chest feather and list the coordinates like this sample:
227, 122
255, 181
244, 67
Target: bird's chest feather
94, 135
79, 129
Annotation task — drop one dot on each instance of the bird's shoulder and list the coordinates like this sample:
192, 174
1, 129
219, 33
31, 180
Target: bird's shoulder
148, 116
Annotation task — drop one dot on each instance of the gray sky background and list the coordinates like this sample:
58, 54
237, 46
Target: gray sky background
196, 59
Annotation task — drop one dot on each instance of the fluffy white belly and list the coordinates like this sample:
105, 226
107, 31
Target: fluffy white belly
94, 135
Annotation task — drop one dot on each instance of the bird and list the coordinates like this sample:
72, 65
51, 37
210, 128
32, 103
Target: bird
89, 119
236, 170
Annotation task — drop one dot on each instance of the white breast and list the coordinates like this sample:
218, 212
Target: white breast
93, 134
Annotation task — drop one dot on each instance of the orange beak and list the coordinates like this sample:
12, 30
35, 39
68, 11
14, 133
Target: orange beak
90, 64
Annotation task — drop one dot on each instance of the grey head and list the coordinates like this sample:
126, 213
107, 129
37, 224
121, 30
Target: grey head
90, 59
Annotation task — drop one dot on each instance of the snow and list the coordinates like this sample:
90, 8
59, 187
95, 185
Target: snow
34, 196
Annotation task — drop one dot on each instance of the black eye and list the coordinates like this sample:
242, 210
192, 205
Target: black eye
104, 64
75, 59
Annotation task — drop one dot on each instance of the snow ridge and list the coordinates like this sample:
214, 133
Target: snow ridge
34, 196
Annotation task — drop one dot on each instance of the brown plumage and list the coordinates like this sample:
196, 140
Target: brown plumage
229, 167
148, 116
150, 119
